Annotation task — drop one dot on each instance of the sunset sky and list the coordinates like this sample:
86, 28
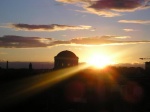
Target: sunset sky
37, 30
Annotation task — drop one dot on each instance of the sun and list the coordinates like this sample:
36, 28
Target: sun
99, 61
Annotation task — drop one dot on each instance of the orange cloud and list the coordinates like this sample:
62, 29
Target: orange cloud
129, 30
12, 41
135, 21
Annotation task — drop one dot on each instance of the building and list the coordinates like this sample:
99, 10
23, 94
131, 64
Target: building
7, 65
147, 67
30, 66
65, 59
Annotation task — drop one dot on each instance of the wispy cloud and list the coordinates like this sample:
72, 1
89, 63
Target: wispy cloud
109, 8
108, 39
129, 30
12, 41
49, 28
135, 21
104, 13
122, 37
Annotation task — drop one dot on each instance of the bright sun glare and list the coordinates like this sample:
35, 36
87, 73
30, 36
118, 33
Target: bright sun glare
99, 61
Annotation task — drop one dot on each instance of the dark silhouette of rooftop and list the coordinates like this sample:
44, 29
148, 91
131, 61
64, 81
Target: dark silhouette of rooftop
66, 54
65, 59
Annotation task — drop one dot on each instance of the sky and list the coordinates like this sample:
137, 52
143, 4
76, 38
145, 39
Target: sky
37, 30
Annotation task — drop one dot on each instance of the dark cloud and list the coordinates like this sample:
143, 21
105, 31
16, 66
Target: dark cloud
110, 8
11, 41
116, 4
51, 27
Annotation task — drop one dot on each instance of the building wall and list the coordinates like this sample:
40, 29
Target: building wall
64, 62
147, 66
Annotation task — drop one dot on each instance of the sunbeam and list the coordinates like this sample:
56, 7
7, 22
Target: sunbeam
25, 88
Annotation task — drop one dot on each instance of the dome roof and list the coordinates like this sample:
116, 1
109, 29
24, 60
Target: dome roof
66, 53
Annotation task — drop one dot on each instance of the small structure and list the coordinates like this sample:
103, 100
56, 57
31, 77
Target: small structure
147, 67
7, 65
30, 66
65, 59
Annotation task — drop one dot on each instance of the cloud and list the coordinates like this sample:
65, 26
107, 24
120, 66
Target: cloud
104, 13
122, 37
68, 1
116, 4
104, 40
135, 21
129, 30
109, 8
147, 4
12, 41
51, 27
108, 39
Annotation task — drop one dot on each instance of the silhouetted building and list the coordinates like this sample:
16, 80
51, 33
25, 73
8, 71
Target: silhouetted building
65, 59
147, 67
30, 66
7, 65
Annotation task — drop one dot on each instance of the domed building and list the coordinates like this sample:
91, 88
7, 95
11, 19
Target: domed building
65, 59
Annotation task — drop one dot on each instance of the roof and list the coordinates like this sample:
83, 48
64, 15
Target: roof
67, 54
